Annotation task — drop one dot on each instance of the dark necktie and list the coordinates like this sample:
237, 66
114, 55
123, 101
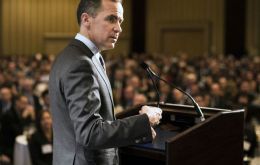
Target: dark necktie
102, 62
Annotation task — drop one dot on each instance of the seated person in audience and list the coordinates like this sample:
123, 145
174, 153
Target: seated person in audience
165, 91
246, 89
128, 96
6, 99
15, 122
27, 88
216, 97
139, 99
250, 140
176, 97
40, 143
200, 99
4, 159
45, 100
250, 137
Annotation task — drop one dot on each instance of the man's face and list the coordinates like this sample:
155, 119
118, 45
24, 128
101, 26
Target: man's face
22, 103
46, 121
104, 28
5, 94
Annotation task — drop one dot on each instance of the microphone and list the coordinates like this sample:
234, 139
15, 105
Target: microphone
152, 74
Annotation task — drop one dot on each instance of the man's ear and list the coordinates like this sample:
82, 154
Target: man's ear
85, 19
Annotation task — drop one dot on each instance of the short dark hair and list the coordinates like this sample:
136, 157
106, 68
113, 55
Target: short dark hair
45, 93
89, 6
39, 119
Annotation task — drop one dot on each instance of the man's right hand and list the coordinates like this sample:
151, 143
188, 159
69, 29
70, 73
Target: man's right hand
154, 114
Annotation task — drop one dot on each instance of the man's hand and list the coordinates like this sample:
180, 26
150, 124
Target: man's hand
154, 114
29, 111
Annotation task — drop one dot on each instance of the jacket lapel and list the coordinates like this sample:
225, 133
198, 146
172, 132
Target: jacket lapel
96, 63
103, 74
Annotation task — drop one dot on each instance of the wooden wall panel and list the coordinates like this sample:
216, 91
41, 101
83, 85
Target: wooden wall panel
252, 27
28, 26
192, 38
177, 12
1, 29
188, 41
25, 23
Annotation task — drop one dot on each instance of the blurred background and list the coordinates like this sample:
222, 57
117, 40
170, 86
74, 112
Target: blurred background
198, 27
210, 48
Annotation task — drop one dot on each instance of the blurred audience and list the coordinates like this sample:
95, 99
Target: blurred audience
19, 103
15, 122
218, 82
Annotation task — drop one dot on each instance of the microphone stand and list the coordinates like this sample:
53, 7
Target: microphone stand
152, 74
195, 104
156, 89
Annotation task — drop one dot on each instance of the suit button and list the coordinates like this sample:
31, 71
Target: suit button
137, 141
144, 139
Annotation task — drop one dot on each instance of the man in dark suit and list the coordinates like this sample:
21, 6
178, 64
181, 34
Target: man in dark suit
14, 122
85, 130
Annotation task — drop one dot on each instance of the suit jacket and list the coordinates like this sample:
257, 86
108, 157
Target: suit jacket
85, 130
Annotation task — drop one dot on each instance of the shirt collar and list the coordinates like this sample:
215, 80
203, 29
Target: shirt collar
88, 43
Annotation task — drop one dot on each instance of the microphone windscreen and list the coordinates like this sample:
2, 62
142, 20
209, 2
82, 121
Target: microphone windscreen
144, 65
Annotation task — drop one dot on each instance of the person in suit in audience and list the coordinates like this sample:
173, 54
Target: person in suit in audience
4, 159
139, 99
27, 89
40, 143
176, 97
85, 130
216, 98
129, 93
45, 100
6, 99
14, 123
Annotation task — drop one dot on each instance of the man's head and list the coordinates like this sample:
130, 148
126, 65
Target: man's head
45, 97
177, 95
100, 21
139, 99
5, 94
27, 84
21, 103
215, 89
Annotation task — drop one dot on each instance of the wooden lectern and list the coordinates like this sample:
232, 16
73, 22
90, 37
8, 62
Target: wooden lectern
183, 140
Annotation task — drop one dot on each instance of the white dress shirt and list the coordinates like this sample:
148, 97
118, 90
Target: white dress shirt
91, 46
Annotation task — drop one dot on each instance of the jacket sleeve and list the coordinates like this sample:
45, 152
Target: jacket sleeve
81, 91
